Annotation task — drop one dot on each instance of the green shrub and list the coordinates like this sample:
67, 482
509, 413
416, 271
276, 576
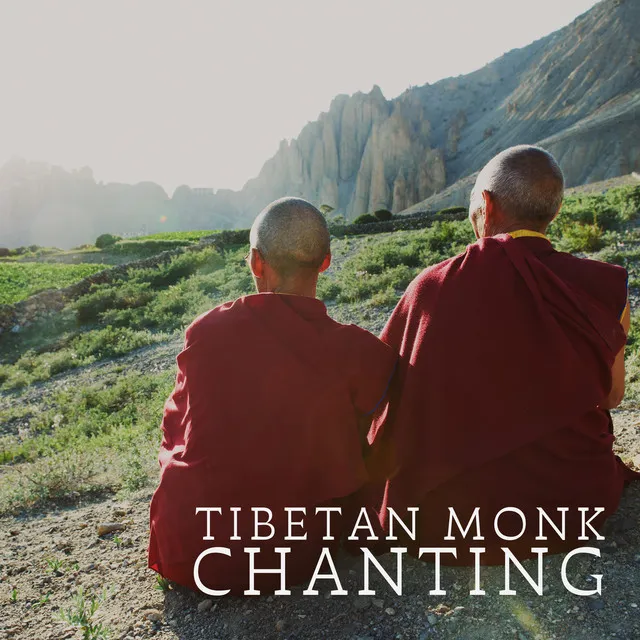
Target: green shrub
382, 215
365, 218
581, 238
180, 267
328, 289
106, 240
111, 342
104, 297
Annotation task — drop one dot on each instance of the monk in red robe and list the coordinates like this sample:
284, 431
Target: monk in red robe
271, 407
512, 354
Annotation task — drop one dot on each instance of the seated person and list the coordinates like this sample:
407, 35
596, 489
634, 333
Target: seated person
271, 406
511, 355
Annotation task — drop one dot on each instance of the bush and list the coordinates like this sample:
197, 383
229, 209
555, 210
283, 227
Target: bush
180, 267
106, 240
365, 218
104, 297
383, 215
111, 342
581, 238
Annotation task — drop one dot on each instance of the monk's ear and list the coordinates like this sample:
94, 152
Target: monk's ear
326, 263
490, 209
256, 263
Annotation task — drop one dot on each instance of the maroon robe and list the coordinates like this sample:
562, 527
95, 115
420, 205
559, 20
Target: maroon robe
265, 413
506, 354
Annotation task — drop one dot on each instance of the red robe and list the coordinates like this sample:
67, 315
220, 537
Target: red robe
265, 413
506, 354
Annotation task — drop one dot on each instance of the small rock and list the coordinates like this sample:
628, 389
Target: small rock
361, 602
432, 620
280, 626
110, 527
205, 605
378, 603
153, 615
390, 611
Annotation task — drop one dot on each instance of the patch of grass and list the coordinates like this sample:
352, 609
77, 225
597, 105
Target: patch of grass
85, 348
81, 613
162, 584
21, 280
83, 432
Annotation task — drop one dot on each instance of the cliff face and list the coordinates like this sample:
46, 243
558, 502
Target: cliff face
576, 91
365, 153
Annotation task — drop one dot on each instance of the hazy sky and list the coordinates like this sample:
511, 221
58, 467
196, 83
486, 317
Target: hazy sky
202, 92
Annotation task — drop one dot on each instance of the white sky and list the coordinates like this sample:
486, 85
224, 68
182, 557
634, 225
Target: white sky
201, 92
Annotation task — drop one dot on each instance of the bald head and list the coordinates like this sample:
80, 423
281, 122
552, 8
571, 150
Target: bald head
526, 184
292, 236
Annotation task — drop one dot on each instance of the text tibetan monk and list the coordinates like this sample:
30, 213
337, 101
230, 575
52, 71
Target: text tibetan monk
398, 530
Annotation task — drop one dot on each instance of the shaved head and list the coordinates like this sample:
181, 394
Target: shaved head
291, 235
526, 183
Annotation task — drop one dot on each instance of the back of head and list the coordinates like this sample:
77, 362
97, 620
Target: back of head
292, 236
526, 182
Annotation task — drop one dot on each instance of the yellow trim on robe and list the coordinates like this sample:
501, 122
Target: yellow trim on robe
527, 233
627, 309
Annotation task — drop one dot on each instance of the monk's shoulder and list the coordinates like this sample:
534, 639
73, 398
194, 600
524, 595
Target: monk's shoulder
589, 269
215, 319
436, 273
604, 281
354, 341
588, 264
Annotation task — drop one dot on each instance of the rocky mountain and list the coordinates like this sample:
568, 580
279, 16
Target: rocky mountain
576, 92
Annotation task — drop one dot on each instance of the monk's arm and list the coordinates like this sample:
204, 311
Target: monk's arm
618, 371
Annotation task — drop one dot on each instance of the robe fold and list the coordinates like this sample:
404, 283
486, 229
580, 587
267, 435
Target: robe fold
265, 413
505, 356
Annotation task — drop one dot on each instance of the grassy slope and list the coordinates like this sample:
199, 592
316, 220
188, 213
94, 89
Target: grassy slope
21, 280
73, 404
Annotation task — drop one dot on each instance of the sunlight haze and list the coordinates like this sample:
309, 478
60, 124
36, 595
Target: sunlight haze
201, 93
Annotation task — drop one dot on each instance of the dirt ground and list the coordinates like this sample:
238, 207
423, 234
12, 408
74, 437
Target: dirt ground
46, 557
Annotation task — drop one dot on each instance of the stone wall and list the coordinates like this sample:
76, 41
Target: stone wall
419, 220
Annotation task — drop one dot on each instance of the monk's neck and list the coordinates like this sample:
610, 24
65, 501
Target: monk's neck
307, 289
508, 228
